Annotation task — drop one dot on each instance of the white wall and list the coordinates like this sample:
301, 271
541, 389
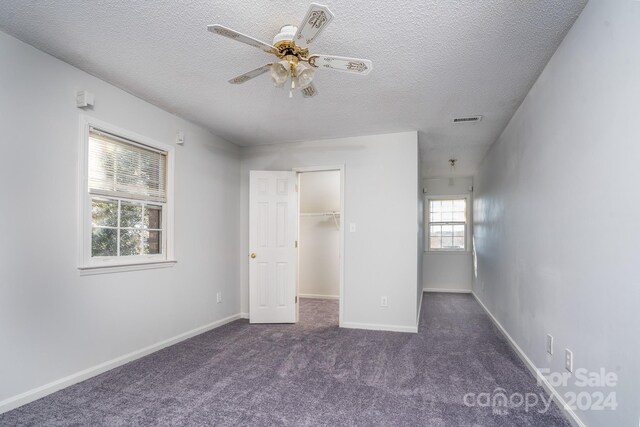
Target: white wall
53, 322
556, 210
381, 177
449, 271
319, 249
320, 192
421, 237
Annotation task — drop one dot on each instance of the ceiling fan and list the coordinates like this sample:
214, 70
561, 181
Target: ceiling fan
290, 47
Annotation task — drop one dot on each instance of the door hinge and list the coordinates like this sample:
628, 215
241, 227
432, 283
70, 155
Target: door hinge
296, 188
295, 245
296, 299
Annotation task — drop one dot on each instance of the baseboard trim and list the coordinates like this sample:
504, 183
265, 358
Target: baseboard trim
378, 327
557, 397
419, 311
44, 390
316, 296
244, 315
451, 291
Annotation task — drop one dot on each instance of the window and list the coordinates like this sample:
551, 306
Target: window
126, 201
447, 230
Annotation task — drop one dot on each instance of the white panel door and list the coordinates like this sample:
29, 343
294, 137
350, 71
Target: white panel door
273, 228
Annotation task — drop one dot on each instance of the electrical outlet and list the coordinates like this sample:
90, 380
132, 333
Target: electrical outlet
219, 297
568, 359
549, 344
384, 302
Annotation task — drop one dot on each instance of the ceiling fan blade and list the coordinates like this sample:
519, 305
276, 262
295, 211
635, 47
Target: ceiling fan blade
341, 63
314, 22
242, 38
309, 91
250, 75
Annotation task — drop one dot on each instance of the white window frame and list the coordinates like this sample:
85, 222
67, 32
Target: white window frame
427, 223
97, 265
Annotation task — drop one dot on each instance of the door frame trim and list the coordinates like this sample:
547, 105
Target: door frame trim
341, 169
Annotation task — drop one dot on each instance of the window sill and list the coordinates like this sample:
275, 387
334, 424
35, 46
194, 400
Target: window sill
117, 268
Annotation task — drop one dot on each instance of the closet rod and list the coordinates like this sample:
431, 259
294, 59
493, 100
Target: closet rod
319, 213
334, 215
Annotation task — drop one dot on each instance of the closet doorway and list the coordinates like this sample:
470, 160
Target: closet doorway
320, 245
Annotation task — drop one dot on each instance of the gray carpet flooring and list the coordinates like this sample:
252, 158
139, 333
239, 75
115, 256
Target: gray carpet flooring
310, 374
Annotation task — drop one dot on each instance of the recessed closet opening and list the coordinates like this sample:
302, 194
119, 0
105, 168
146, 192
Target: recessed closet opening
320, 243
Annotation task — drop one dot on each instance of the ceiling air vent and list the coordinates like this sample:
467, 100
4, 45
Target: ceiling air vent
470, 119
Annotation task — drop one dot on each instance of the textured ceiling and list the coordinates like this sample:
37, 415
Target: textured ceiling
432, 60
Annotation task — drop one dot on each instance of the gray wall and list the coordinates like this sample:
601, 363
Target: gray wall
381, 180
54, 322
556, 209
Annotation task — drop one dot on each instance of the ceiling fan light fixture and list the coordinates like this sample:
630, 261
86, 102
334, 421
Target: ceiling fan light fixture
304, 76
290, 46
279, 73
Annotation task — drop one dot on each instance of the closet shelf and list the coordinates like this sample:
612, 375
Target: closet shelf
333, 214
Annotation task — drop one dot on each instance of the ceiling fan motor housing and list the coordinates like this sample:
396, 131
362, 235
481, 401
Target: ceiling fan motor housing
287, 33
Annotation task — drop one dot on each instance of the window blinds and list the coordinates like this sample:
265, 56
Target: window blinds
122, 168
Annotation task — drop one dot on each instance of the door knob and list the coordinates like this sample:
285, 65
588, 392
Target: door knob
253, 255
